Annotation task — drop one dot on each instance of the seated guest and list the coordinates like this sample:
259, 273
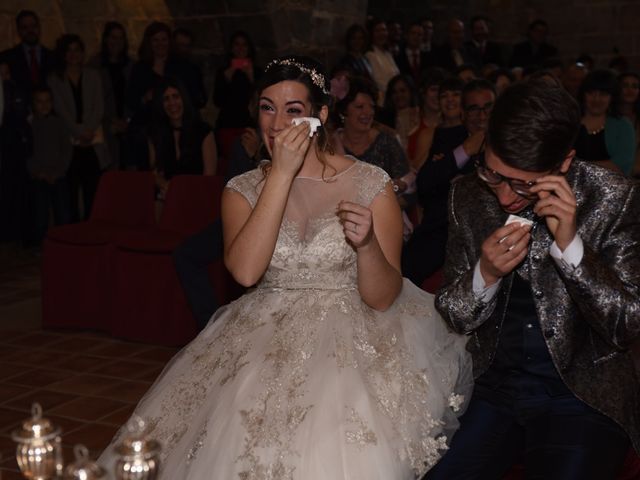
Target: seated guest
605, 137
115, 66
79, 101
354, 61
411, 60
360, 138
50, 158
401, 107
179, 141
630, 108
535, 49
419, 141
453, 52
452, 154
482, 49
383, 66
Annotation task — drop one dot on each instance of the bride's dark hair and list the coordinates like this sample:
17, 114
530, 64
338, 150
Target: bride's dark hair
312, 75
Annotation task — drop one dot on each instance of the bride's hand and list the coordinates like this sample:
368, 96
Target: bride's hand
357, 223
289, 149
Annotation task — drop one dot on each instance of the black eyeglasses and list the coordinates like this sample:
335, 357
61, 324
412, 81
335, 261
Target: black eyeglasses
476, 109
493, 179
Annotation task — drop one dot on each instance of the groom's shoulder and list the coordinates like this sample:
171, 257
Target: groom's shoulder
469, 194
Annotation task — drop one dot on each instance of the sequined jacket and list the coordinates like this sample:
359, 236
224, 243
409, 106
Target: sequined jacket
589, 315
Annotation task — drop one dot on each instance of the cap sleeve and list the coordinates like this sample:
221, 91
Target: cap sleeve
370, 181
248, 185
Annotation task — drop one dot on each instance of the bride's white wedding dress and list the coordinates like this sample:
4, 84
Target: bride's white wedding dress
299, 379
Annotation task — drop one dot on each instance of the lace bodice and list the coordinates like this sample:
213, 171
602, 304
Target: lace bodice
311, 251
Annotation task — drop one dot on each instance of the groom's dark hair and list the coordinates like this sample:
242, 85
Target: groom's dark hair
533, 126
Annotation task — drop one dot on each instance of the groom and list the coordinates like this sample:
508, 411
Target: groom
551, 308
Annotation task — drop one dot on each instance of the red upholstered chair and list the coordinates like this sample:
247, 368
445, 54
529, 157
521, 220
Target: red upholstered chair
77, 258
149, 304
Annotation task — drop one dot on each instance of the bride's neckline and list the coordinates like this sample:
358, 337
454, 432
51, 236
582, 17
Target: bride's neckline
353, 164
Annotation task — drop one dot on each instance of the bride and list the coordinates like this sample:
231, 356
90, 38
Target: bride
333, 367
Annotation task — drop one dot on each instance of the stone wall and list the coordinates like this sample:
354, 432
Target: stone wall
314, 27
596, 27
317, 27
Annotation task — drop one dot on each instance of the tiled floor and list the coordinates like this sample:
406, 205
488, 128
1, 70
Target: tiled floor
86, 382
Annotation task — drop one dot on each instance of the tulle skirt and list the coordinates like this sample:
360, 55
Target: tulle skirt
310, 384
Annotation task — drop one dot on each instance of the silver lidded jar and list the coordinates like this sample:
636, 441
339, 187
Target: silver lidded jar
39, 450
138, 455
83, 468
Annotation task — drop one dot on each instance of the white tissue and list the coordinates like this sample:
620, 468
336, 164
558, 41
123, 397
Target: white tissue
520, 220
314, 123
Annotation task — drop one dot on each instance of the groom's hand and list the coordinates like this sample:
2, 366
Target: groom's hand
503, 251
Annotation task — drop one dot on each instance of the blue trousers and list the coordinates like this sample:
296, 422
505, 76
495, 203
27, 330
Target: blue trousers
554, 437
191, 259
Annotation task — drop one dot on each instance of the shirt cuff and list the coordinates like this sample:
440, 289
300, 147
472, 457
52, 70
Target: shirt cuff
572, 255
480, 288
461, 157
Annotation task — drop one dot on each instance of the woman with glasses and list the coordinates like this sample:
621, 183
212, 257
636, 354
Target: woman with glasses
605, 137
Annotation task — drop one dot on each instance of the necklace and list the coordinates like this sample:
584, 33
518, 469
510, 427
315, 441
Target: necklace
596, 131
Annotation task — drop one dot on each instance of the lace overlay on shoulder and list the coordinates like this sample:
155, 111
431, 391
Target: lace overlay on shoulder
311, 251
371, 181
249, 185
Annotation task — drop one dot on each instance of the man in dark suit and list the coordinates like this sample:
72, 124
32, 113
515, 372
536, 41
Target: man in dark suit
411, 60
452, 153
29, 62
535, 50
481, 49
551, 307
453, 52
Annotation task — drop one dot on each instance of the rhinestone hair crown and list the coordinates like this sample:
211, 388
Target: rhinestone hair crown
316, 77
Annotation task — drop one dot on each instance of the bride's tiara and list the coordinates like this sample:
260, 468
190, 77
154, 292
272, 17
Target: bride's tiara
316, 77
